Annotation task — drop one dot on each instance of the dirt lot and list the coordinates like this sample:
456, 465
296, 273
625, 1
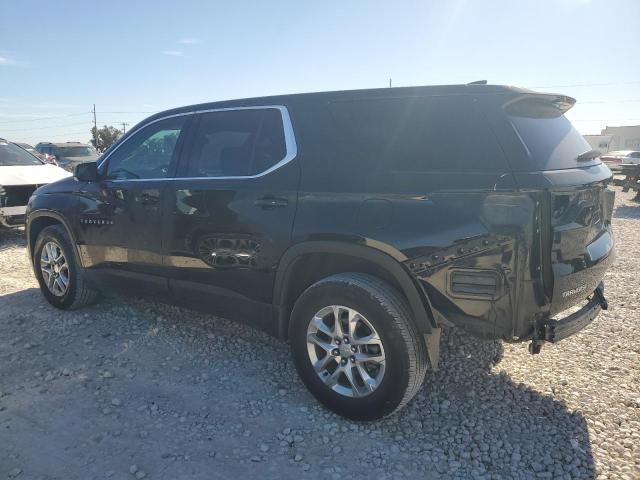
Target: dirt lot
131, 389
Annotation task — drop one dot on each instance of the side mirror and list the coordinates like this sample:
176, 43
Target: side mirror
86, 172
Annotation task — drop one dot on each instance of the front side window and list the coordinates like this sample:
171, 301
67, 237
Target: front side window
148, 153
237, 143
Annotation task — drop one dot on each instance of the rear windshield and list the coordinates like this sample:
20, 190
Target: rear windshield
552, 141
77, 151
12, 156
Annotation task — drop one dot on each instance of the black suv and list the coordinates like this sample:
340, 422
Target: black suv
354, 224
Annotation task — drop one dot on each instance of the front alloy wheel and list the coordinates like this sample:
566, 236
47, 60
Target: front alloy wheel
58, 270
54, 268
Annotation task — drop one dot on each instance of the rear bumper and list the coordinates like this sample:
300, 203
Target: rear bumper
556, 330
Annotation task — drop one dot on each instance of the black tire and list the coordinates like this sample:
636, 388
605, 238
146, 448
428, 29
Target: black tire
387, 311
78, 294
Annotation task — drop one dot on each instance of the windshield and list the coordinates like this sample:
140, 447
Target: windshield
83, 151
12, 155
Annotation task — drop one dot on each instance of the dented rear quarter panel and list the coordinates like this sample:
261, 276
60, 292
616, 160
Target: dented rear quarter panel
486, 218
436, 223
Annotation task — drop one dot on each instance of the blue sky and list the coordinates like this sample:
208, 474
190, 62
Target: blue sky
59, 58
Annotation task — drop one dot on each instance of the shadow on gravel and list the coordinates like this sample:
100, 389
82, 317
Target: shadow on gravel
477, 414
11, 237
470, 420
627, 211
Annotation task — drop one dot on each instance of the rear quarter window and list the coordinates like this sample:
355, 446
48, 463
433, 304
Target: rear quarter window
418, 134
551, 141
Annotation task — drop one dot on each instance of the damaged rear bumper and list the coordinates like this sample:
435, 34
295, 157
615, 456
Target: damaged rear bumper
555, 330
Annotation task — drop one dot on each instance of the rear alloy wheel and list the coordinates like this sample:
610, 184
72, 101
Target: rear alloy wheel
356, 347
346, 351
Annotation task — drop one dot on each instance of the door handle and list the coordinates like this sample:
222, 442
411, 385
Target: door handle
271, 202
146, 199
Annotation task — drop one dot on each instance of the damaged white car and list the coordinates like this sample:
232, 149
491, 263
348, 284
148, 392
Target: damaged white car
20, 174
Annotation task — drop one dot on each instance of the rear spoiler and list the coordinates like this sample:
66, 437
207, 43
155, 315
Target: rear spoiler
539, 105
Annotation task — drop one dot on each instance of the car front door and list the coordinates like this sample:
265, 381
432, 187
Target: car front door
121, 220
229, 217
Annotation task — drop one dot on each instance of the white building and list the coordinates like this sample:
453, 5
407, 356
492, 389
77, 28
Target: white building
599, 142
616, 138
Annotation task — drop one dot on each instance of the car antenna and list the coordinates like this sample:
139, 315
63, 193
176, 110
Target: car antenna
478, 82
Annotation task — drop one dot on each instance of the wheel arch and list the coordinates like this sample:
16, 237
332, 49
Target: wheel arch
39, 220
305, 263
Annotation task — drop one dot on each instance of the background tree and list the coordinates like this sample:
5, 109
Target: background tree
104, 137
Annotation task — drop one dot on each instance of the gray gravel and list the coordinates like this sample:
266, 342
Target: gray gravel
132, 389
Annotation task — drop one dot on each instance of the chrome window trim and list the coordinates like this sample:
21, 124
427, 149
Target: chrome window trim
289, 140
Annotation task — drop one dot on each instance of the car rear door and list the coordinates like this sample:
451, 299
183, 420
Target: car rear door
230, 212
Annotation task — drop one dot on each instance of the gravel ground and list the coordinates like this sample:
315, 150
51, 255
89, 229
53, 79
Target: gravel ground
132, 389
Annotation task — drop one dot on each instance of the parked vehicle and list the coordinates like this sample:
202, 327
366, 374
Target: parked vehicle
20, 174
628, 177
354, 224
28, 148
620, 157
67, 155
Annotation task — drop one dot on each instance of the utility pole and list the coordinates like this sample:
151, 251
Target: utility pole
95, 127
389, 83
124, 127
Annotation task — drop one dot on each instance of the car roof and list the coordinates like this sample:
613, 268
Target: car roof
474, 88
65, 144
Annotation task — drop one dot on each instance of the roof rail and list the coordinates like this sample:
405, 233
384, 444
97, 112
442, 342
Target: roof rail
478, 82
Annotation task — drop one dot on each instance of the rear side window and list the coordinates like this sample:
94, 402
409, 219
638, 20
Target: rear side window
423, 134
82, 151
237, 143
551, 140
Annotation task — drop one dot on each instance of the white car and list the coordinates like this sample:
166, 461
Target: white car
621, 157
20, 174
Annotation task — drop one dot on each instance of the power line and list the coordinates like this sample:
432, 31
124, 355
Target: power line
67, 134
633, 82
29, 129
609, 101
123, 112
57, 117
607, 120
44, 118
95, 127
